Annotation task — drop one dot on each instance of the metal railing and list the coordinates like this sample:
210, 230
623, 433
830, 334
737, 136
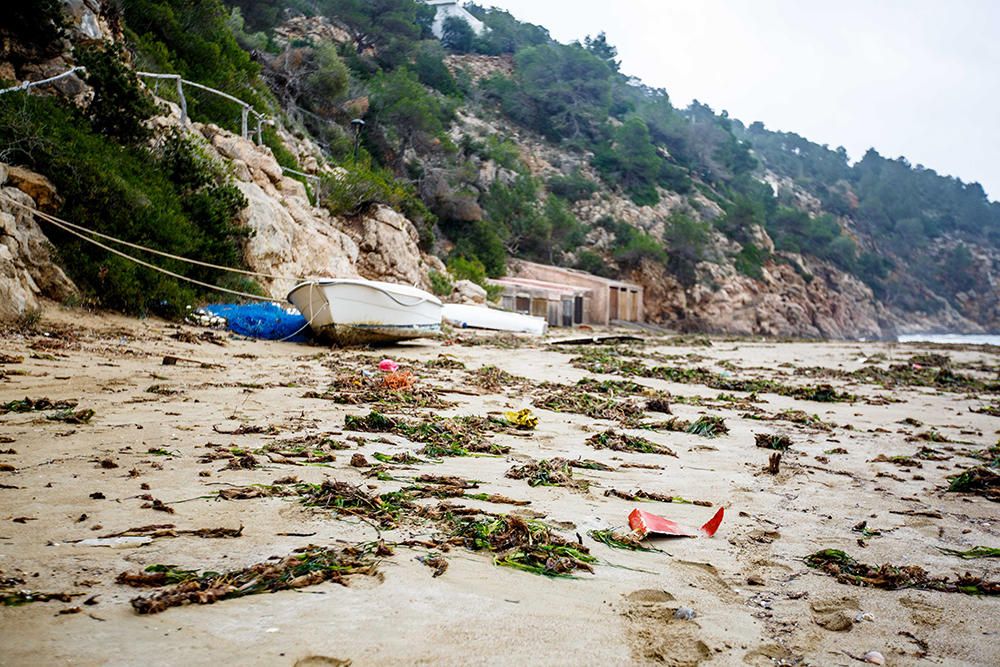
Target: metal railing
245, 108
26, 85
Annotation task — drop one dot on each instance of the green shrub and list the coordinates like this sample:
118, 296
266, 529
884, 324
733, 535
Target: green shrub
173, 199
750, 261
573, 187
441, 284
119, 104
361, 185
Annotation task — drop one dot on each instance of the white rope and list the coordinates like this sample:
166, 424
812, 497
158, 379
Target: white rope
54, 220
140, 262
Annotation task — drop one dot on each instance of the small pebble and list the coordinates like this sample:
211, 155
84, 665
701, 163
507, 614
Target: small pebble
863, 616
685, 613
874, 657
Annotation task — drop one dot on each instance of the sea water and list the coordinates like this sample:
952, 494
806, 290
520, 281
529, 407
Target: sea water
953, 339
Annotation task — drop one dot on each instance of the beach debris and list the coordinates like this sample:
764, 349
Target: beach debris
619, 540
305, 567
398, 380
562, 398
155, 504
523, 419
645, 523
385, 510
497, 499
436, 562
777, 441
72, 416
974, 552
993, 410
773, 466
121, 542
13, 597
599, 340
442, 436
388, 366
684, 613
652, 495
622, 442
157, 530
611, 361
846, 570
392, 390
358, 460
874, 658
11, 359
524, 544
491, 378
980, 480
548, 472
36, 405
173, 360
707, 426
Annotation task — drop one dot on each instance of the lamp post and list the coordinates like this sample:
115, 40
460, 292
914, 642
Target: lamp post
357, 124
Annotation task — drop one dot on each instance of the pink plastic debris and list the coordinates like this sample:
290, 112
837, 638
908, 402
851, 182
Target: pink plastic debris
388, 365
645, 523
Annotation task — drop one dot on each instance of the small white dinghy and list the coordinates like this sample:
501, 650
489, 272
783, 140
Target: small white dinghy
481, 317
354, 311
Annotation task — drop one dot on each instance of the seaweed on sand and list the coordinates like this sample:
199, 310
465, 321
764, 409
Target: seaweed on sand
641, 495
494, 379
981, 480
525, 544
389, 391
442, 436
548, 472
622, 442
571, 399
618, 540
706, 426
385, 510
603, 361
974, 552
772, 441
838, 564
306, 567
35, 405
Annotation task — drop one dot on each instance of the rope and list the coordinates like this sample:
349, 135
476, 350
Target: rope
140, 262
54, 220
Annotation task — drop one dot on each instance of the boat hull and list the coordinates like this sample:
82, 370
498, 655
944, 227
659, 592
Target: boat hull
363, 312
481, 317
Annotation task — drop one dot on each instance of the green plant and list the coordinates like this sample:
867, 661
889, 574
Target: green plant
441, 284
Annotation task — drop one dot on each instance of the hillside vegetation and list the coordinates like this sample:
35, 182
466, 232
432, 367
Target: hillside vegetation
503, 145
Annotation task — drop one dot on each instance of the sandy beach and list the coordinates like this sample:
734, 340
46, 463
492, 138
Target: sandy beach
182, 445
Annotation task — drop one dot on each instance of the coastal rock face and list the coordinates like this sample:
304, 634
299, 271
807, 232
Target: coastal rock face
388, 242
290, 239
831, 304
27, 267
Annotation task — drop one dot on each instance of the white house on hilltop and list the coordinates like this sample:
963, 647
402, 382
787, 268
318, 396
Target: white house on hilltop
448, 8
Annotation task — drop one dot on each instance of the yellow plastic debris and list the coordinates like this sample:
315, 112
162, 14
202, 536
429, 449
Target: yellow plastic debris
522, 419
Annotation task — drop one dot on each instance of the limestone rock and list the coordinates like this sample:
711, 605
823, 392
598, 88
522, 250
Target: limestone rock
388, 242
27, 269
466, 291
290, 238
37, 187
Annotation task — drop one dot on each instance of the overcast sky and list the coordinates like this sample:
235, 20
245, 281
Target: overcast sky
917, 78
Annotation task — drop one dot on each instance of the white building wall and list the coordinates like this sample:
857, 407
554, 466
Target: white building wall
446, 8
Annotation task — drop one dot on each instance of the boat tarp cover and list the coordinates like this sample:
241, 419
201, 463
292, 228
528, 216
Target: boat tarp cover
261, 320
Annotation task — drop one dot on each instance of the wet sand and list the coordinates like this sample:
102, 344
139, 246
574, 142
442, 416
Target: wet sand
755, 599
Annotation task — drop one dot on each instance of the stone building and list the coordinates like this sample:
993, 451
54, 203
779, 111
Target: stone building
567, 297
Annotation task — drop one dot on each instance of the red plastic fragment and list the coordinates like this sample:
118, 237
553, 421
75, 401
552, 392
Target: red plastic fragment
644, 523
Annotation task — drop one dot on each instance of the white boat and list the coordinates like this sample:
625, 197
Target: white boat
351, 311
481, 317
